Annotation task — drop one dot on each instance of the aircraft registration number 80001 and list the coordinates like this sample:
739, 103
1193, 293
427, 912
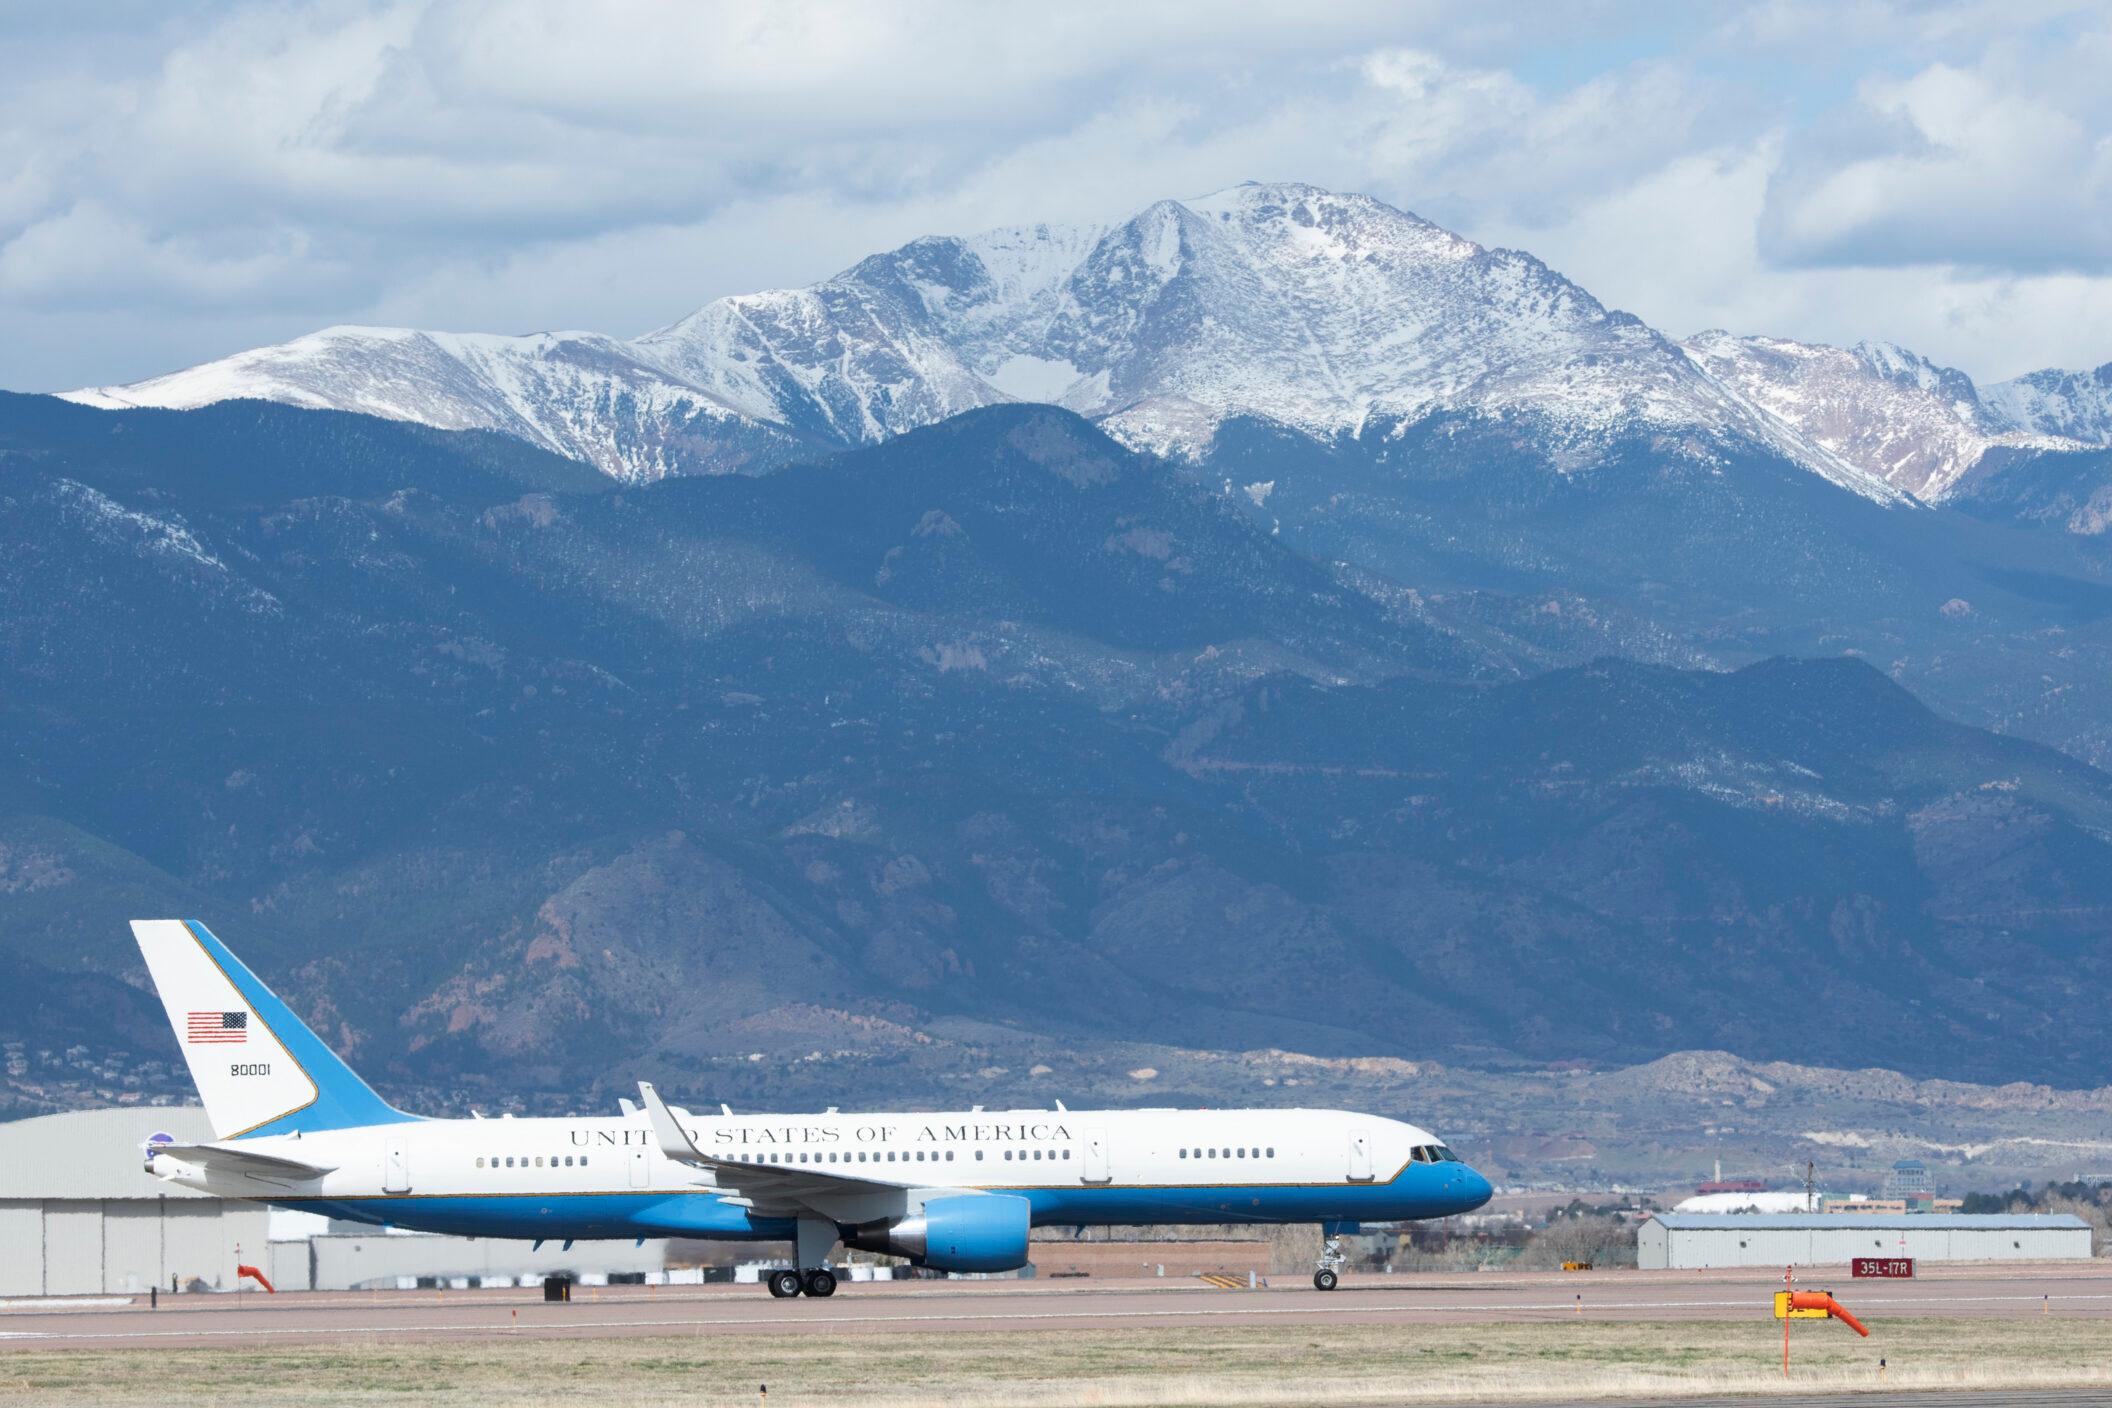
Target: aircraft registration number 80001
254, 1068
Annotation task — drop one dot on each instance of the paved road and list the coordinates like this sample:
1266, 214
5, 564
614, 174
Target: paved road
2081, 1291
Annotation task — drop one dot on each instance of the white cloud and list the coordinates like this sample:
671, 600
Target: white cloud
2006, 164
91, 257
1934, 175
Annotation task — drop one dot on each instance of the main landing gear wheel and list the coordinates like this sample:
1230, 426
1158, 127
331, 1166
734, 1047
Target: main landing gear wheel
821, 1282
785, 1284
1323, 1280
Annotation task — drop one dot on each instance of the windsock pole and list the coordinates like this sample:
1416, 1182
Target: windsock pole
1809, 1305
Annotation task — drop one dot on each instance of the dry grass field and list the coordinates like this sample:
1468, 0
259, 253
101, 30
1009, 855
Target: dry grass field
1209, 1368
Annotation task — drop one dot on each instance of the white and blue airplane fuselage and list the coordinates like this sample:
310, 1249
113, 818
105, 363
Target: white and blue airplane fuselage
952, 1190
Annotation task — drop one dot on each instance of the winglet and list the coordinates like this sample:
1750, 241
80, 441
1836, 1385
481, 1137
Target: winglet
674, 1142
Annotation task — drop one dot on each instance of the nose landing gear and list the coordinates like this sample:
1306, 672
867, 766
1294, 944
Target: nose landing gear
1331, 1262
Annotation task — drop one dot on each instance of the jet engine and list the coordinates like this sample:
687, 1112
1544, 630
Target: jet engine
971, 1232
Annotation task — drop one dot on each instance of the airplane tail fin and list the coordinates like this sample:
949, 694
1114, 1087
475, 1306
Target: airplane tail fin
257, 1067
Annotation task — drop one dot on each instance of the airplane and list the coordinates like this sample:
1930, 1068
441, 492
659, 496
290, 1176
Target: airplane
294, 1127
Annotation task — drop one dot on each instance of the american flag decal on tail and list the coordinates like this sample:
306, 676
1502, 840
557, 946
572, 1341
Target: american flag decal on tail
217, 1026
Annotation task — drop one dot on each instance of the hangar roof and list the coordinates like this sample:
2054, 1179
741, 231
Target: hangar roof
94, 1153
1873, 1222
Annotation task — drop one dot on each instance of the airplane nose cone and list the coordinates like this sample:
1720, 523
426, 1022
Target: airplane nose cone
1473, 1190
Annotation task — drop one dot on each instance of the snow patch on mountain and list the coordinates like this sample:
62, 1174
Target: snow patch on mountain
581, 395
1889, 412
2076, 405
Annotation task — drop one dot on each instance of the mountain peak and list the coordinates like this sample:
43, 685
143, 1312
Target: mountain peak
1328, 313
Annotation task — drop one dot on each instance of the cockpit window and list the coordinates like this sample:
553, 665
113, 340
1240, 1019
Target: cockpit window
1446, 1156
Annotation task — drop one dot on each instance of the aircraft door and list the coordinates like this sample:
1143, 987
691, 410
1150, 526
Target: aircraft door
1360, 1155
1096, 1167
637, 1168
396, 1165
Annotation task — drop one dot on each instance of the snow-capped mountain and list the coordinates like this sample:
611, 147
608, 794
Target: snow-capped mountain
1891, 413
581, 395
1329, 314
2076, 405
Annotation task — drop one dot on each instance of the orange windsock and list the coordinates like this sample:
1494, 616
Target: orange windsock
255, 1275
1820, 1300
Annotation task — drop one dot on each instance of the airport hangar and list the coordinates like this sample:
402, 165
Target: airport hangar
1688, 1241
79, 1215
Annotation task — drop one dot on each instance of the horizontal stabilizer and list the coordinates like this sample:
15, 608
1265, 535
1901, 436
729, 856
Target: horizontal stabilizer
237, 1159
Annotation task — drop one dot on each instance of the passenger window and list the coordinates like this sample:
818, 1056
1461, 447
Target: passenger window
1037, 1156
949, 1156
1008, 1156
509, 1161
582, 1160
978, 1156
1239, 1153
1272, 1151
538, 1160
1184, 1153
1066, 1153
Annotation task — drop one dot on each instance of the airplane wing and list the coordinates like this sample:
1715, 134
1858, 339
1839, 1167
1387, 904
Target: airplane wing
233, 1158
773, 1190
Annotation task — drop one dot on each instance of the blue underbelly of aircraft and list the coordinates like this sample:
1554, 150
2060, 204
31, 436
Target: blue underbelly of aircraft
1418, 1192
1405, 1199
570, 1216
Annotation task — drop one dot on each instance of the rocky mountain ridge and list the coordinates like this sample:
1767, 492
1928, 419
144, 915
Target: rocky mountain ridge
1333, 315
1893, 413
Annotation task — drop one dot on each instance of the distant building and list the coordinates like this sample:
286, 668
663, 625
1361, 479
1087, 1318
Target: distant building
1909, 1178
1746, 1201
1895, 1206
80, 1215
1679, 1241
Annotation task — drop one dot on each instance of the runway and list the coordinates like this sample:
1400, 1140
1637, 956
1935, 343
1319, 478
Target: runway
1921, 1398
2049, 1291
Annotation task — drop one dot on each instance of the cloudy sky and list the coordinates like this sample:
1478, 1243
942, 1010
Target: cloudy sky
181, 180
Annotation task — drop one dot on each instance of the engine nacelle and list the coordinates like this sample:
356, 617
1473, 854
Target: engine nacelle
971, 1232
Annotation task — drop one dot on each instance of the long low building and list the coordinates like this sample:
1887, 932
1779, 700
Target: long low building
1686, 1241
79, 1214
